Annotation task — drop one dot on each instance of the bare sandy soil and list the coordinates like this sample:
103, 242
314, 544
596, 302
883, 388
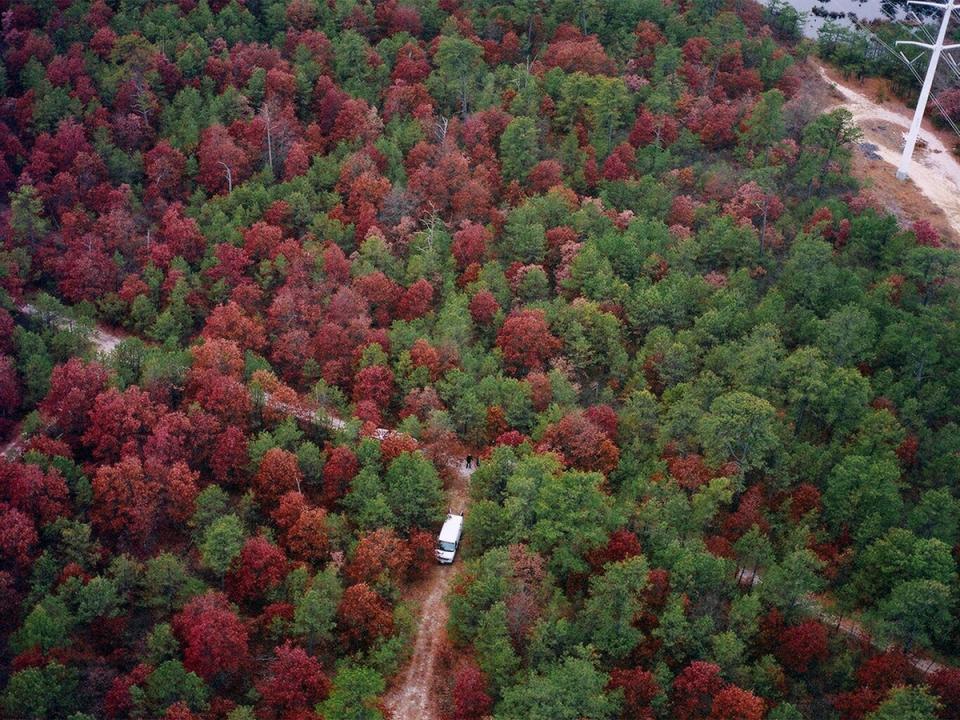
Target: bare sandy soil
411, 697
933, 190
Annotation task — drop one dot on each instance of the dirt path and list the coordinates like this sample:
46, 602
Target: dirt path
935, 171
848, 626
411, 698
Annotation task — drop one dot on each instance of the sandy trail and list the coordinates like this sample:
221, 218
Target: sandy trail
934, 171
849, 627
411, 698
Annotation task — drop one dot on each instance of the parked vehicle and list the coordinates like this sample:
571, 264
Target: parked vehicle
449, 538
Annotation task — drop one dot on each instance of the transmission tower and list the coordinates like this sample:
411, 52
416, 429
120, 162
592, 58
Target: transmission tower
936, 48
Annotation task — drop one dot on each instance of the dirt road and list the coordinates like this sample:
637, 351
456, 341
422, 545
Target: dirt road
849, 627
411, 698
935, 171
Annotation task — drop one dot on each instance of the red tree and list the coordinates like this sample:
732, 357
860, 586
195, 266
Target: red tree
294, 684
801, 645
483, 307
581, 443
471, 696
639, 689
279, 472
374, 383
73, 388
363, 616
377, 553
125, 501
526, 341
734, 703
119, 423
338, 471
694, 690
214, 639
260, 567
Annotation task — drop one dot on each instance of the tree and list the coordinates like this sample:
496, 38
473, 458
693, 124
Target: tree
570, 690
801, 645
611, 612
863, 494
526, 341
259, 568
41, 692
341, 467
222, 542
519, 146
363, 616
740, 426
413, 491
919, 612
295, 683
471, 700
734, 703
581, 443
694, 690
279, 472
125, 501
74, 386
825, 158
639, 688
354, 695
459, 66
907, 703
213, 637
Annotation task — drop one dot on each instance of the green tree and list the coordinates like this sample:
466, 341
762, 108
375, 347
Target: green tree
459, 71
609, 614
41, 692
920, 612
413, 491
572, 689
222, 542
519, 149
740, 426
907, 703
825, 154
863, 494
314, 613
171, 683
354, 695
495, 653
27, 217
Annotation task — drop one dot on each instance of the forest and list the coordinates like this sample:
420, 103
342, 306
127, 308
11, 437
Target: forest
271, 269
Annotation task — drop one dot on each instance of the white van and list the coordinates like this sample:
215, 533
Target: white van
449, 538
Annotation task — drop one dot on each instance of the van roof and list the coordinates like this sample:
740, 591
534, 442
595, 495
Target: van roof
450, 532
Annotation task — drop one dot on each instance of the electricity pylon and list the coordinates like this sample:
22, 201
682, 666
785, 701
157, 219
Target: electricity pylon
903, 170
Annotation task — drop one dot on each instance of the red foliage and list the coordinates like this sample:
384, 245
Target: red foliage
230, 322
394, 444
526, 341
802, 645
735, 703
604, 417
639, 687
119, 423
926, 234
260, 567
307, 538
694, 690
73, 388
574, 52
338, 471
222, 162
363, 616
415, 301
41, 495
545, 175
619, 164
279, 472
804, 499
378, 552
294, 684
483, 307
946, 684
471, 697
622, 544
374, 383
214, 639
230, 456
470, 244
125, 500
18, 537
581, 443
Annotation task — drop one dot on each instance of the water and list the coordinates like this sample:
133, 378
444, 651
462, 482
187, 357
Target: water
819, 11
